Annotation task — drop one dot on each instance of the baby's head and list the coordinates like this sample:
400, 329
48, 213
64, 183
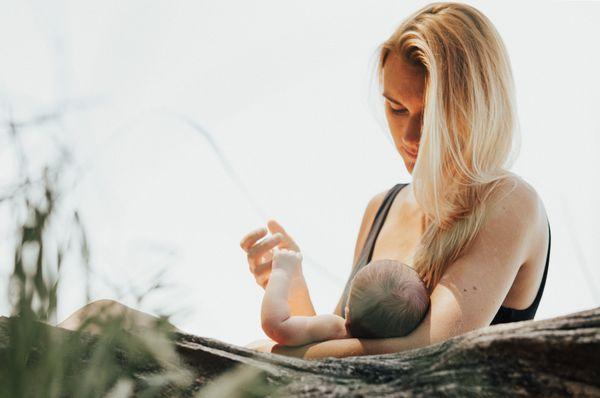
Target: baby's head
387, 299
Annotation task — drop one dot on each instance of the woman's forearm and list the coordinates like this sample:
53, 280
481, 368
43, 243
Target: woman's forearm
350, 347
420, 337
338, 348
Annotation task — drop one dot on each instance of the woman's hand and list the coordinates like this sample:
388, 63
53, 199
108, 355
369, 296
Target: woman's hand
260, 255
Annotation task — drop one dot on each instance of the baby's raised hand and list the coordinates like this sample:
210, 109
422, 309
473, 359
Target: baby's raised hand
288, 260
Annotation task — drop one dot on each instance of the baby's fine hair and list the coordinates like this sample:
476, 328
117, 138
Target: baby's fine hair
387, 299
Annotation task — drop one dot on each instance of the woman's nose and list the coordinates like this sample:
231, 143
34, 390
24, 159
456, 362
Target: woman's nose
412, 134
411, 141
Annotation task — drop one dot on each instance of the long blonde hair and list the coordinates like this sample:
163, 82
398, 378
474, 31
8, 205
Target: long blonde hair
469, 125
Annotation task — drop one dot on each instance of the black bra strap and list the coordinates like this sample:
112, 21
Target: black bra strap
538, 296
380, 217
367, 249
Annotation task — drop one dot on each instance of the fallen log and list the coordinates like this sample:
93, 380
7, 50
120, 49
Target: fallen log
551, 357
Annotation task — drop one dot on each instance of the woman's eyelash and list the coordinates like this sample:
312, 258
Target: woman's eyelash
398, 111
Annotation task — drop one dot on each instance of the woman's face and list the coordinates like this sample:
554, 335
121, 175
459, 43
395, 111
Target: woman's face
403, 89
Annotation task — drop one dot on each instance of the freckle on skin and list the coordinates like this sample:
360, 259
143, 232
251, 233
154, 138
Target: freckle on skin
464, 290
474, 288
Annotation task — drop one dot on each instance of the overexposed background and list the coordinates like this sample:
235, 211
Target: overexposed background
194, 122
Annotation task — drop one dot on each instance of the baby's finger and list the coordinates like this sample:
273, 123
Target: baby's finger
250, 239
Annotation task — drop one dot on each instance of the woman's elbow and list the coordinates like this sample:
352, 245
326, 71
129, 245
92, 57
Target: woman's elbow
448, 331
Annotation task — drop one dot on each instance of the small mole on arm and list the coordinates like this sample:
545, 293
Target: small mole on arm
474, 288
464, 290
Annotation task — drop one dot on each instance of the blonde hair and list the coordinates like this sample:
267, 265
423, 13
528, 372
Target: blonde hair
387, 299
469, 124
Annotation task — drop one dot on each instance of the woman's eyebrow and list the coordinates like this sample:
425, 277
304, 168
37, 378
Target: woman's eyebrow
391, 99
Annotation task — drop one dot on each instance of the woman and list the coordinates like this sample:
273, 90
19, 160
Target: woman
477, 234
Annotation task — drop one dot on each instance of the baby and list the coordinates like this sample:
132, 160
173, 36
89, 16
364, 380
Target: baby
386, 299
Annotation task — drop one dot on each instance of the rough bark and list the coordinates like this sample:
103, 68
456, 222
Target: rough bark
552, 357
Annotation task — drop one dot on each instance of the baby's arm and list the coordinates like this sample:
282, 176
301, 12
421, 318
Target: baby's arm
276, 320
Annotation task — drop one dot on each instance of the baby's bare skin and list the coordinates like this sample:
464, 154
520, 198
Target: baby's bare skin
276, 320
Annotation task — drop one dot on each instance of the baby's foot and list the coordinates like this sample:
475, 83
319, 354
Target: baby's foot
285, 259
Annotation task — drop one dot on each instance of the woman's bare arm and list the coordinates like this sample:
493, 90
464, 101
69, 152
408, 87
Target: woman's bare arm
470, 292
299, 299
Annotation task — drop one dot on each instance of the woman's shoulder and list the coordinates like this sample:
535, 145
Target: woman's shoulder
379, 197
374, 204
515, 210
367, 220
519, 195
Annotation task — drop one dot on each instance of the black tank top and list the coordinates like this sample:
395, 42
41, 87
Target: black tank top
504, 314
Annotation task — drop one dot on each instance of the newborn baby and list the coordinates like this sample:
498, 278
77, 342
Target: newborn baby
386, 299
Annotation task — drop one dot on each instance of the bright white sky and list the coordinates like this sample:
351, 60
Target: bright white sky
284, 90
